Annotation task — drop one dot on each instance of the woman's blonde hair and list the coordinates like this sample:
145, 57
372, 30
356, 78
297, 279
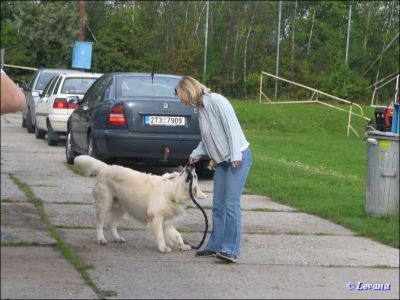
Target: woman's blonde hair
191, 91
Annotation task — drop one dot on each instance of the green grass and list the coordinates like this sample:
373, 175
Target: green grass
74, 169
60, 243
303, 157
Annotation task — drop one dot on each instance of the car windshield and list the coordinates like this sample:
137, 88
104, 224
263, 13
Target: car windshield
139, 86
43, 80
77, 85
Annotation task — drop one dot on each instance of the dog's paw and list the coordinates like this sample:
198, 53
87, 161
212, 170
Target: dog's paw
164, 249
120, 240
185, 247
102, 241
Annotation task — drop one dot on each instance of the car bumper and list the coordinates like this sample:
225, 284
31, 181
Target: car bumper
113, 144
59, 122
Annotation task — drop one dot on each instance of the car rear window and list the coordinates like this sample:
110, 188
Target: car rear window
43, 80
77, 85
136, 86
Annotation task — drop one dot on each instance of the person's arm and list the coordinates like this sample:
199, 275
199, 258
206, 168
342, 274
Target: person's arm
12, 98
197, 153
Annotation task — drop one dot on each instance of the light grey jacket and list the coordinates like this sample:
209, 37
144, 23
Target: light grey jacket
225, 129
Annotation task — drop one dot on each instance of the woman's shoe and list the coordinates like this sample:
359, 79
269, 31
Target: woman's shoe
227, 257
205, 253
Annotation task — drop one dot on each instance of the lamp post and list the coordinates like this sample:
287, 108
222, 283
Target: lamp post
278, 39
205, 44
348, 36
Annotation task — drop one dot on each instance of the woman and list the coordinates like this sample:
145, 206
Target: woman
222, 139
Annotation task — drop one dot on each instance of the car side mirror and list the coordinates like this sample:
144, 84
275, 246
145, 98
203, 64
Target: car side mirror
73, 100
36, 94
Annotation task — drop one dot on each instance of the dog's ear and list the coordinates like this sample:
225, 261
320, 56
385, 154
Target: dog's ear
196, 188
198, 193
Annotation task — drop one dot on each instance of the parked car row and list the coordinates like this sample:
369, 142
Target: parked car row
32, 93
134, 116
52, 109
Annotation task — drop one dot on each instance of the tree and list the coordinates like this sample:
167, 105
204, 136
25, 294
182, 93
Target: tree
168, 35
49, 30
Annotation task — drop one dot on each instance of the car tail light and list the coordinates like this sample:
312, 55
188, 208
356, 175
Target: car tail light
72, 105
60, 103
117, 115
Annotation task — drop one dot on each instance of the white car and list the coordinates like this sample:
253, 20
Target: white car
52, 109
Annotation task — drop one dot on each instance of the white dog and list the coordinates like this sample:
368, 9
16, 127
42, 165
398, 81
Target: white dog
155, 200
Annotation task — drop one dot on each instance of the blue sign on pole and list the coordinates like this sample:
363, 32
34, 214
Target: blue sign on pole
82, 55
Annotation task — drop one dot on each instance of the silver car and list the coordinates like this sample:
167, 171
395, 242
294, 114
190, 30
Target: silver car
32, 92
52, 109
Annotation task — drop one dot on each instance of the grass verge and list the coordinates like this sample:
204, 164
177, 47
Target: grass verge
60, 243
302, 157
74, 169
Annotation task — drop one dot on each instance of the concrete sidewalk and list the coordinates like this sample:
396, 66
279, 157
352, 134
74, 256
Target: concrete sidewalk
285, 253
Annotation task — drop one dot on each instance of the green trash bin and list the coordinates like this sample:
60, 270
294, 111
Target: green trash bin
382, 184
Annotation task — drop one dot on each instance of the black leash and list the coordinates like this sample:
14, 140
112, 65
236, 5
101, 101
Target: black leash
202, 210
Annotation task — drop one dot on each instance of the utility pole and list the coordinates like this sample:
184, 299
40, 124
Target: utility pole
277, 50
2, 58
205, 44
82, 16
348, 37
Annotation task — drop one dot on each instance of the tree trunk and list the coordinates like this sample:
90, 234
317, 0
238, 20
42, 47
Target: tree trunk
234, 54
368, 21
184, 29
311, 31
228, 34
380, 55
245, 50
293, 30
198, 22
384, 48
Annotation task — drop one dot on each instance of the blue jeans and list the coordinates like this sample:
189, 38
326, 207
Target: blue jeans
226, 214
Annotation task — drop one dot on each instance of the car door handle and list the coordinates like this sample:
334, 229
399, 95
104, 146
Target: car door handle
85, 107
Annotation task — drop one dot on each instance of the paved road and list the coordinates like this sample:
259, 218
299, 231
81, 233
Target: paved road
285, 253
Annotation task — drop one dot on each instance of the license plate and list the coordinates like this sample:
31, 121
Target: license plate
164, 121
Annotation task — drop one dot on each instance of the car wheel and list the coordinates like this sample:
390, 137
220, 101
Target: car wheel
39, 134
70, 154
52, 137
23, 122
29, 124
92, 151
90, 146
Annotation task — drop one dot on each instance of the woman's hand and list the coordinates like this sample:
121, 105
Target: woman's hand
193, 160
235, 163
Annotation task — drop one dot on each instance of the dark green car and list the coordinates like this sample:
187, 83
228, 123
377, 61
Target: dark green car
135, 116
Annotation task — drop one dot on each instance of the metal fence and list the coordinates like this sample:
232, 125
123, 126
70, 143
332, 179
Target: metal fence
315, 99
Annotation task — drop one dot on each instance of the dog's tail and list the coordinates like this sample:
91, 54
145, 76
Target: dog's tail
89, 165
